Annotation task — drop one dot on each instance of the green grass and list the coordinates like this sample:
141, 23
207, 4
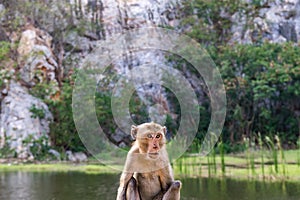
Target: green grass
237, 166
58, 167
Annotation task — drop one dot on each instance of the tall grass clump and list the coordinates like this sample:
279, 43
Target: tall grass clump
252, 157
249, 156
273, 148
211, 157
211, 163
283, 163
200, 167
260, 143
246, 142
197, 161
208, 165
222, 155
298, 152
180, 164
214, 162
249, 144
197, 170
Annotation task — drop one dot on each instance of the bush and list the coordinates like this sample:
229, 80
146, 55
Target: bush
262, 81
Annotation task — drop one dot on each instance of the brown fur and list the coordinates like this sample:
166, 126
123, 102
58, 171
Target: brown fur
147, 174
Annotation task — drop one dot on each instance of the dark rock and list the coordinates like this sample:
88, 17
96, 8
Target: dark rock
287, 30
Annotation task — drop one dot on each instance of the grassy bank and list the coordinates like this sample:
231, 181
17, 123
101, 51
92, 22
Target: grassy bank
237, 166
58, 167
250, 165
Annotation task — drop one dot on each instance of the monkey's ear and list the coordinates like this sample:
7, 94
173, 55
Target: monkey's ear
134, 130
164, 130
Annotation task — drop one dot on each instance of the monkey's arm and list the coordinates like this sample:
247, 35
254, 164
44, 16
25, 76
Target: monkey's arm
166, 178
126, 174
125, 177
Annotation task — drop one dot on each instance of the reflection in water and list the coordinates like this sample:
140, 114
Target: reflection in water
73, 186
57, 186
228, 189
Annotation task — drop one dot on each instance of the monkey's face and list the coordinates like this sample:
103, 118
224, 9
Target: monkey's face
150, 138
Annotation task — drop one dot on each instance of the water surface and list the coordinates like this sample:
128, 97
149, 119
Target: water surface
81, 186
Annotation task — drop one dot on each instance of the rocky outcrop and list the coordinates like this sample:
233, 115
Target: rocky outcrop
117, 16
76, 157
95, 20
25, 118
37, 61
20, 121
125, 15
274, 21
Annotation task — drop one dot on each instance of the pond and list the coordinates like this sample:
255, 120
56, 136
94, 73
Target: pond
81, 186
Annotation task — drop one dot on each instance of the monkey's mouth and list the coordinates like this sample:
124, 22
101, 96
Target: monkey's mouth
153, 155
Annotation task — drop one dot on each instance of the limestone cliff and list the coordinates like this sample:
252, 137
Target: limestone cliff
55, 36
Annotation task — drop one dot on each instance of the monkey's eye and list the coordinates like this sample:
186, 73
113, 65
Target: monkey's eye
158, 136
149, 135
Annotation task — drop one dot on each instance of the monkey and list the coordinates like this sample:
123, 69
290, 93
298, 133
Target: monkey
147, 174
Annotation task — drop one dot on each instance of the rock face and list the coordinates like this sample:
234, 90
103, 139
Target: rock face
38, 64
37, 61
275, 21
118, 16
19, 122
125, 15
25, 118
